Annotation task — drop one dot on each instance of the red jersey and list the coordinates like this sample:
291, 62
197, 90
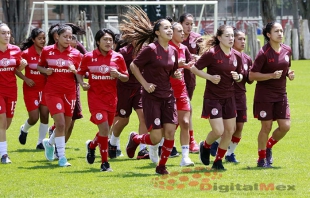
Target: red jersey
178, 85
102, 93
247, 66
158, 65
31, 71
62, 80
268, 61
218, 63
9, 61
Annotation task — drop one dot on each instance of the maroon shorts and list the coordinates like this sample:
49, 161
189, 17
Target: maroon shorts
159, 112
240, 101
223, 108
128, 99
77, 113
60, 103
190, 92
33, 99
241, 116
271, 110
100, 116
7, 106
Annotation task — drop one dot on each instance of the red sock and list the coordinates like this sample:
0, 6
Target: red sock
143, 139
165, 151
235, 140
103, 146
93, 144
219, 154
271, 142
191, 136
261, 154
206, 145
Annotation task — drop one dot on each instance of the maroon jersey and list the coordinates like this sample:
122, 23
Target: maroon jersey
62, 80
191, 44
218, 63
158, 65
268, 61
127, 53
9, 61
247, 65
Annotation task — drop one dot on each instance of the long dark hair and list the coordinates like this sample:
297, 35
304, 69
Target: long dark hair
267, 29
54, 28
29, 41
101, 33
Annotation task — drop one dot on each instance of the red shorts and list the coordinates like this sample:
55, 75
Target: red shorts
33, 99
128, 99
159, 112
60, 103
100, 116
241, 116
223, 108
7, 106
271, 110
183, 104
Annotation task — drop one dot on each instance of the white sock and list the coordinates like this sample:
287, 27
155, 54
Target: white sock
231, 148
60, 145
113, 140
142, 146
43, 128
3, 148
52, 138
218, 140
26, 127
118, 144
161, 142
185, 150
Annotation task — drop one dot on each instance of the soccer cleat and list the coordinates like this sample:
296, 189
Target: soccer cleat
22, 136
153, 153
105, 167
40, 146
48, 150
193, 147
213, 149
186, 161
90, 153
5, 159
263, 163
112, 150
174, 152
161, 170
119, 153
131, 145
204, 154
63, 162
269, 155
218, 165
231, 158
143, 154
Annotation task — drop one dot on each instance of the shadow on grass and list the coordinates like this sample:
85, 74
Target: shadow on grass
45, 165
251, 168
27, 150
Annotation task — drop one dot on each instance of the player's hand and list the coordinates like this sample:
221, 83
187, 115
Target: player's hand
178, 74
149, 87
85, 86
114, 73
23, 64
72, 68
291, 75
215, 79
277, 74
49, 71
29, 82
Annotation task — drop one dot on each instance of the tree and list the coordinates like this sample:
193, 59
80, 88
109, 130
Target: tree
304, 7
16, 16
268, 9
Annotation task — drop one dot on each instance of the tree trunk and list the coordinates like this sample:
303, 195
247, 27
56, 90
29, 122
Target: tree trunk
304, 7
268, 8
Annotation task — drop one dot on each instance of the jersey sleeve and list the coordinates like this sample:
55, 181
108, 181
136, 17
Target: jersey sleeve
122, 65
259, 62
83, 66
204, 60
42, 60
143, 57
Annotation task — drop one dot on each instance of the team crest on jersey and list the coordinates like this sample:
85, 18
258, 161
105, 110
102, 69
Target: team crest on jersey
173, 58
245, 67
214, 111
122, 112
58, 106
193, 45
235, 63
104, 69
263, 114
99, 116
287, 58
36, 102
157, 121
5, 62
60, 62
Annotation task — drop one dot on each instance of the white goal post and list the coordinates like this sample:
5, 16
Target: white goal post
47, 3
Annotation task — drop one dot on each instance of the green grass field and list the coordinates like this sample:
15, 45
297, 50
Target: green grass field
31, 175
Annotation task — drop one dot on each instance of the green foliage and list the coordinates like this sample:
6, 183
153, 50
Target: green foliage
31, 175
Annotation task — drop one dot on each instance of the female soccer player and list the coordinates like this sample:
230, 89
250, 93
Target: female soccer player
104, 66
224, 66
10, 60
33, 86
191, 40
59, 62
270, 69
159, 61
